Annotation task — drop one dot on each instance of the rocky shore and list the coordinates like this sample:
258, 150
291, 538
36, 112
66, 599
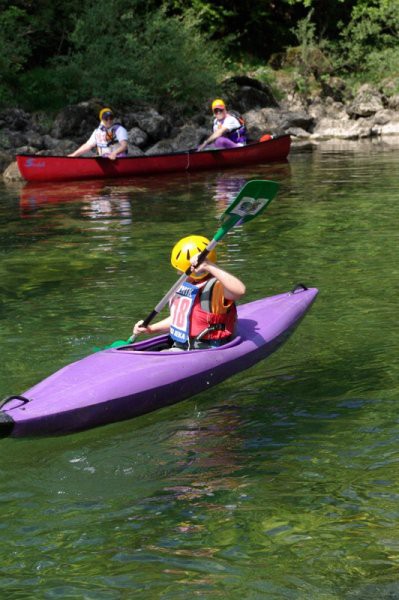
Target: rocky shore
368, 114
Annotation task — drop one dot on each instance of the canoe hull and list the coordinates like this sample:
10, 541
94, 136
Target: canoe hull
122, 383
63, 168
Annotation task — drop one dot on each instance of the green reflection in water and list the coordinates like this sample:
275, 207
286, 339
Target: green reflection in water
280, 483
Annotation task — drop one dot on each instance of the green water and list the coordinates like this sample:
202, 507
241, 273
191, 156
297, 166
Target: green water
281, 483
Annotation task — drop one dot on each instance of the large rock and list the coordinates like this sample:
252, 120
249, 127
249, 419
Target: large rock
12, 139
61, 148
319, 108
154, 124
258, 122
328, 128
133, 150
189, 137
5, 160
12, 173
5, 139
384, 116
390, 127
244, 93
49, 142
293, 101
14, 119
33, 138
77, 120
393, 102
137, 137
26, 150
276, 122
296, 119
161, 147
298, 132
367, 102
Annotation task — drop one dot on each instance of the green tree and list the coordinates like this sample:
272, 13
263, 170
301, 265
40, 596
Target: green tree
15, 49
128, 55
369, 43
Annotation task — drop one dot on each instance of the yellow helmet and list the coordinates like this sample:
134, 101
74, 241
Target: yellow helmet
106, 112
185, 249
218, 103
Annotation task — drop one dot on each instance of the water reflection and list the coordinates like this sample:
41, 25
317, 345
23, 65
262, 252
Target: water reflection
227, 185
206, 453
226, 190
110, 198
98, 200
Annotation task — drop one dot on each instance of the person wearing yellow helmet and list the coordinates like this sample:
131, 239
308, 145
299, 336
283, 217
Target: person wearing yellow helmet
109, 137
203, 311
228, 128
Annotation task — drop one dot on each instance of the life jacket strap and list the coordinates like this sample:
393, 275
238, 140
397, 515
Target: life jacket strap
206, 294
215, 327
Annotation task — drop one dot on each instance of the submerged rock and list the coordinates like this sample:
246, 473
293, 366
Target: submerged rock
12, 173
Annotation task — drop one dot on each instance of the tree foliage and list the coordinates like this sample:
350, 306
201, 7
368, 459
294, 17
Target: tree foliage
176, 52
372, 32
15, 49
131, 56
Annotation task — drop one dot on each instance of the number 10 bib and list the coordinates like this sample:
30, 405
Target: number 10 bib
181, 307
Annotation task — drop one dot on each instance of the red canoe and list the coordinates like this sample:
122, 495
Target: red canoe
61, 168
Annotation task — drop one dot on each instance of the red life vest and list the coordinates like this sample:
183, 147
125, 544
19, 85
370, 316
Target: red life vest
192, 316
202, 317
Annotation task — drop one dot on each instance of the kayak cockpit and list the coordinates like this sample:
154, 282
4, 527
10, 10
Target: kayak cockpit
163, 344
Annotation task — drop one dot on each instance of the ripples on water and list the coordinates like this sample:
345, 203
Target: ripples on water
280, 483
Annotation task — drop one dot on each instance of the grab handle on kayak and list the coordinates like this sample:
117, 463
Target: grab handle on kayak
10, 398
299, 287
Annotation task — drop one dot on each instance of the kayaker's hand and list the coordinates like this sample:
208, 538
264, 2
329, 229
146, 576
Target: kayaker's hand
203, 266
112, 155
138, 328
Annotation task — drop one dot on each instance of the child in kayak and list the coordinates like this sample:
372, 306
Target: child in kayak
203, 311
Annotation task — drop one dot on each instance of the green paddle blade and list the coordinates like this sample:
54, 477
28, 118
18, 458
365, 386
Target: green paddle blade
253, 198
116, 344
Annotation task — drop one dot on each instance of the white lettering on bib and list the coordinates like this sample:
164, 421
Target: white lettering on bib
180, 309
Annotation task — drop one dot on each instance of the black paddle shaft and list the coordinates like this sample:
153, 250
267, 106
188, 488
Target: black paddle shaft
187, 273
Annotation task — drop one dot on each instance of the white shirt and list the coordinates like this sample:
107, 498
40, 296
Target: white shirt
229, 122
99, 137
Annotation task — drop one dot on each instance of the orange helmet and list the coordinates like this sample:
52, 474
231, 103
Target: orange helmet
218, 103
185, 249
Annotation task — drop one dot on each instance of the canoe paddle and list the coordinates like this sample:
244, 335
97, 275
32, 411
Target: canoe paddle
252, 199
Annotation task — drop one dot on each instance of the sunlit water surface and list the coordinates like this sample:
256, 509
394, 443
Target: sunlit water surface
282, 482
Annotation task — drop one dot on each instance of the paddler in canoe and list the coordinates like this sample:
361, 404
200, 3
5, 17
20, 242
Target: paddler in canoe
229, 129
203, 311
109, 137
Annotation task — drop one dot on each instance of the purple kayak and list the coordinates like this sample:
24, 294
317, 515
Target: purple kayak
122, 383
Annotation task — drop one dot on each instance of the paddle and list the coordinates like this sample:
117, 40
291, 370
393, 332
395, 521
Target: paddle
252, 199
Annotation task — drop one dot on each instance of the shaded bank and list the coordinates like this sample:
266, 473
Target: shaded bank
368, 114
